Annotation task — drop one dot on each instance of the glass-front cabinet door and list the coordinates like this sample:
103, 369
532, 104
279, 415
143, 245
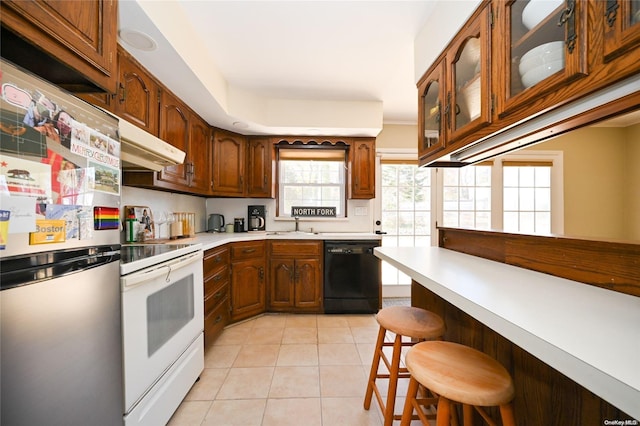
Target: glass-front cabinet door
468, 105
621, 27
430, 122
544, 47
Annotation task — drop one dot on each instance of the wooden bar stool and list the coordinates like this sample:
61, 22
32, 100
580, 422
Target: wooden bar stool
415, 323
457, 373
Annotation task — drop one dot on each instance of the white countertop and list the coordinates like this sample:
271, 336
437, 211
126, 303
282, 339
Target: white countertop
589, 334
212, 240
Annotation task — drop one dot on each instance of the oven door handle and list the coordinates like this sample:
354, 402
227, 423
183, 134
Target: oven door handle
165, 270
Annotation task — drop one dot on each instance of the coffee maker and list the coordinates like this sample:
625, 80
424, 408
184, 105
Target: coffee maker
257, 218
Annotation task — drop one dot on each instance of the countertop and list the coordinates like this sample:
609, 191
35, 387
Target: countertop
589, 334
212, 240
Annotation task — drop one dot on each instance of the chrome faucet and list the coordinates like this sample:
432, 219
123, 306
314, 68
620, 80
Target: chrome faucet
297, 224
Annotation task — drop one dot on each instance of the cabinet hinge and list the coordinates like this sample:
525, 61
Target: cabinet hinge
493, 103
491, 17
159, 95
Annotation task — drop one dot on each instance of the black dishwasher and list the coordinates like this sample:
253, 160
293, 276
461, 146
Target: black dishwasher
351, 277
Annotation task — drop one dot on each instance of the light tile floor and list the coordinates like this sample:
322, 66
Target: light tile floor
287, 369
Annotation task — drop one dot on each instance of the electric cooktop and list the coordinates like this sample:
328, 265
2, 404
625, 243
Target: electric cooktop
134, 257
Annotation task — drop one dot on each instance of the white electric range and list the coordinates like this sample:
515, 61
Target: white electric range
162, 327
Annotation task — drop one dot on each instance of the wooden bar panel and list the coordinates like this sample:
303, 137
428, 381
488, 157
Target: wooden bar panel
611, 265
544, 396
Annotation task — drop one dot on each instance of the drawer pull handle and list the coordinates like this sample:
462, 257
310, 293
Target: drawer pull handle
218, 277
249, 250
218, 295
218, 319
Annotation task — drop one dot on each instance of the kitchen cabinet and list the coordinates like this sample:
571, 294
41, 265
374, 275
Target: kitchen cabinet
537, 64
538, 52
259, 168
295, 276
241, 166
198, 158
455, 94
185, 130
621, 27
362, 164
80, 35
174, 129
248, 280
137, 99
430, 124
229, 150
216, 291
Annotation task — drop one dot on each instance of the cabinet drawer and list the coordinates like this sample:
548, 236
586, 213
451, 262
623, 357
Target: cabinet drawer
216, 320
289, 247
215, 259
247, 250
214, 294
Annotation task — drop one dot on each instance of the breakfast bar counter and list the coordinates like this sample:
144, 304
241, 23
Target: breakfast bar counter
589, 334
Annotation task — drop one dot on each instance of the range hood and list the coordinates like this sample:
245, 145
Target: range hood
142, 151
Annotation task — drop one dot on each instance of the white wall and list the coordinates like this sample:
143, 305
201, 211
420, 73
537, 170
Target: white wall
159, 201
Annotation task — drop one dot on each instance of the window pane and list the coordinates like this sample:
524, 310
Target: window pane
467, 197
527, 222
510, 202
510, 222
311, 183
406, 212
527, 198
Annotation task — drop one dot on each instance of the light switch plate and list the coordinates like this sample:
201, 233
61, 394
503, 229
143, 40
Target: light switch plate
361, 211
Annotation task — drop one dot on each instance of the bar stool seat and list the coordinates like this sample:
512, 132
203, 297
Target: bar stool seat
404, 321
458, 373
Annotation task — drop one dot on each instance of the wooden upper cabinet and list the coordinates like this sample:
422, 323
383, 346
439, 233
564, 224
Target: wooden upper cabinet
430, 111
80, 34
362, 159
137, 98
174, 128
455, 93
259, 168
538, 56
468, 101
199, 155
621, 27
228, 163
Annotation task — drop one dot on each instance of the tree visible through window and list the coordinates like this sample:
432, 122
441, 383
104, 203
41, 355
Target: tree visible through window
515, 197
466, 197
406, 212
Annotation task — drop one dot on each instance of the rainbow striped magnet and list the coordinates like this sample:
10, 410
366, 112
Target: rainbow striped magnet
106, 218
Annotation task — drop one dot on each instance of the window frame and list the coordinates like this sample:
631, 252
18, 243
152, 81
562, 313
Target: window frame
309, 156
497, 210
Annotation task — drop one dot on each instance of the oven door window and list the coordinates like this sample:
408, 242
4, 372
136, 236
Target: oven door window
168, 311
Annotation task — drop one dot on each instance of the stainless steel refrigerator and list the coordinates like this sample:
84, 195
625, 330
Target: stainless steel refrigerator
60, 309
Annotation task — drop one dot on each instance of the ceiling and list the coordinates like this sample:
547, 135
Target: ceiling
284, 67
